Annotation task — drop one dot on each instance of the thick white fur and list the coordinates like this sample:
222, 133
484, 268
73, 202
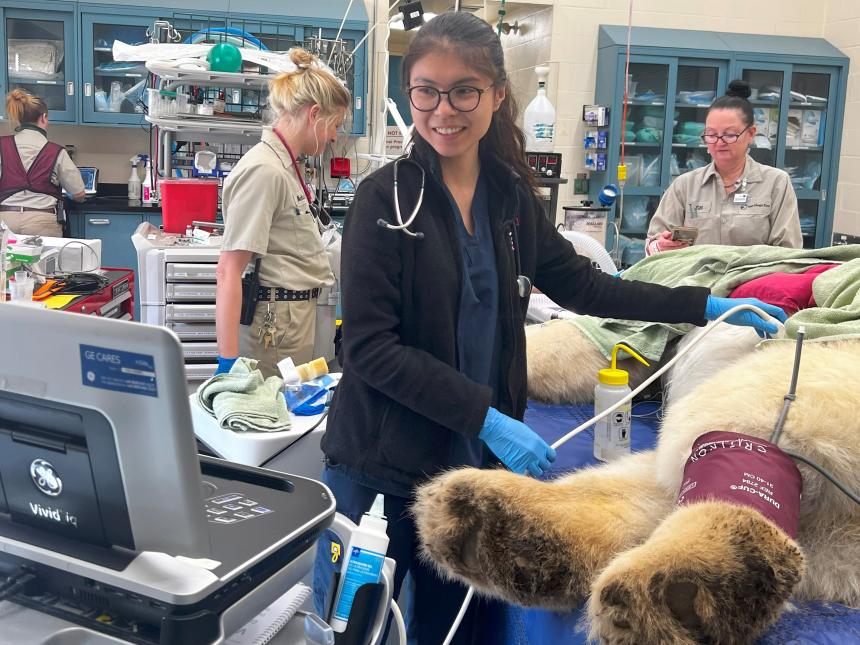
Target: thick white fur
725, 383
711, 351
823, 425
563, 363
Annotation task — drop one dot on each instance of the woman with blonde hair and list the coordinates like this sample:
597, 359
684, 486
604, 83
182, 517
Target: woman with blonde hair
33, 170
268, 220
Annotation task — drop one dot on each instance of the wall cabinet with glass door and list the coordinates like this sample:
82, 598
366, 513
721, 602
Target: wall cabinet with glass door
113, 91
798, 102
795, 108
39, 55
280, 33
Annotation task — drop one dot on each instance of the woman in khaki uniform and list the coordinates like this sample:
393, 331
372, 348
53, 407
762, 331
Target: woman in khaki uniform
733, 200
33, 170
267, 216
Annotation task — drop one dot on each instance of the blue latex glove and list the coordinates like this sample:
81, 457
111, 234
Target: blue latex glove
515, 444
224, 365
716, 307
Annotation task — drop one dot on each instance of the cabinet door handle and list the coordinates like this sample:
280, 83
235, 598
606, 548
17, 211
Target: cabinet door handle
70, 88
99, 221
88, 89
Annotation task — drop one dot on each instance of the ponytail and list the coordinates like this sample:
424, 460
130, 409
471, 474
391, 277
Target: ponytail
22, 107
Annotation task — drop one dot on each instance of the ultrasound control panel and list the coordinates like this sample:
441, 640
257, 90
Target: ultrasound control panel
232, 508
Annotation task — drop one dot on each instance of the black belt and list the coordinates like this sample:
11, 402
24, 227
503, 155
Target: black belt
266, 293
24, 209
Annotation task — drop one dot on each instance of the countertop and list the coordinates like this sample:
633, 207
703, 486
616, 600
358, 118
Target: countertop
117, 204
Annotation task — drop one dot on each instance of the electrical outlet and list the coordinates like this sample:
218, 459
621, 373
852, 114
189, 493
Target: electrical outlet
840, 239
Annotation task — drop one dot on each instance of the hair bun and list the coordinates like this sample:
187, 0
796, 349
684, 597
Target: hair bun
739, 88
302, 59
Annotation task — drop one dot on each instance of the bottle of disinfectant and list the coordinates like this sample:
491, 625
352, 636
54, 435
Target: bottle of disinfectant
134, 184
147, 188
539, 117
365, 556
612, 433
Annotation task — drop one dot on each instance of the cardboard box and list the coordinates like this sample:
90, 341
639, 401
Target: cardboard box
793, 129
766, 122
810, 128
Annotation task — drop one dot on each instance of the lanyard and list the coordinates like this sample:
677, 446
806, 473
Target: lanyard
295, 166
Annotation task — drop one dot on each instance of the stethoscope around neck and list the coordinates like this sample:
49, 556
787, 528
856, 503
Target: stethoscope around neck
401, 225
524, 284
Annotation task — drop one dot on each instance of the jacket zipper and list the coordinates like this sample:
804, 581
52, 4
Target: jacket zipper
512, 295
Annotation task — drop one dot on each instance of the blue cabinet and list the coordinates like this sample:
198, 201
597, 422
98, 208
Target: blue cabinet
62, 51
39, 54
280, 33
112, 92
797, 97
115, 230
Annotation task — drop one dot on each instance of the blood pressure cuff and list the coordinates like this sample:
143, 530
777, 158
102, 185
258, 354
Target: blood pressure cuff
738, 468
250, 287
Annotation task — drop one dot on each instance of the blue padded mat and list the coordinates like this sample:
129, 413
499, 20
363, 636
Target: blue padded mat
811, 624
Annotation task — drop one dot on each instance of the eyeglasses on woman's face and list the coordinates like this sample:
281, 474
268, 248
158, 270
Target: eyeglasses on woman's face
727, 137
463, 98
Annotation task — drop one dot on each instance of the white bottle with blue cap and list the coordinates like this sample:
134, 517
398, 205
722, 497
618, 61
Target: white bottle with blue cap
365, 556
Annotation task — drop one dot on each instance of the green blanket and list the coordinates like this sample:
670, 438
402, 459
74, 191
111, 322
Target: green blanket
837, 294
723, 269
243, 402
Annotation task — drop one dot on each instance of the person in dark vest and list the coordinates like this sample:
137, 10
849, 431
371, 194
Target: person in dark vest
33, 170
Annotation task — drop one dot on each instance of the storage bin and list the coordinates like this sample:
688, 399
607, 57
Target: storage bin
186, 200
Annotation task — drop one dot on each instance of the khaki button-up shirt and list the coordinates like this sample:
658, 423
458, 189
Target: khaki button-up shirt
266, 212
66, 174
761, 209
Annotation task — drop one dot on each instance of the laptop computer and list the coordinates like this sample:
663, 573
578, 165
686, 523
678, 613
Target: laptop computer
90, 175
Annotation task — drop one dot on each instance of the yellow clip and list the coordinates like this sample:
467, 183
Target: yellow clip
335, 552
622, 172
630, 351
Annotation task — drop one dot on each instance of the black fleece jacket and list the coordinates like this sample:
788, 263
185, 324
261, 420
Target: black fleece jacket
402, 399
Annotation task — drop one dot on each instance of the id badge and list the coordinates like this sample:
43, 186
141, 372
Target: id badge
740, 198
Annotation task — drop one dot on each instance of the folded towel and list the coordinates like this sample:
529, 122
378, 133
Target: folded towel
242, 401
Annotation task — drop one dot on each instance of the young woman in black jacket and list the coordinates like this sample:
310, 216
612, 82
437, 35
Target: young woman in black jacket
434, 371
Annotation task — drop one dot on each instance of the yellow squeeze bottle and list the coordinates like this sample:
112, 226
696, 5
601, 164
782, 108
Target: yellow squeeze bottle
612, 433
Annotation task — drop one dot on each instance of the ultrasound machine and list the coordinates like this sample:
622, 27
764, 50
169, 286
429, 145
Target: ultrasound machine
110, 522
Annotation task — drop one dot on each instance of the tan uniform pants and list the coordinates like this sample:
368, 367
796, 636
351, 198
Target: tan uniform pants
295, 322
32, 223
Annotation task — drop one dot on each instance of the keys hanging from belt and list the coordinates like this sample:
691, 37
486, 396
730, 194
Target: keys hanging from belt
268, 328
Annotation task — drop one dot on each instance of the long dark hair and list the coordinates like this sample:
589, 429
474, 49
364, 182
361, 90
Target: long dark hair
735, 98
476, 42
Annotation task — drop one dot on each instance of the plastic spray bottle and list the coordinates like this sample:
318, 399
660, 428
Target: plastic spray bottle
365, 556
539, 117
134, 185
612, 433
147, 189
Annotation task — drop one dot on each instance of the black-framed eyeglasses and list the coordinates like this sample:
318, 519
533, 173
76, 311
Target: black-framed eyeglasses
728, 138
463, 98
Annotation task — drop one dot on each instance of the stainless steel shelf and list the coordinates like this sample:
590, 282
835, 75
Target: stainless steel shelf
175, 77
214, 129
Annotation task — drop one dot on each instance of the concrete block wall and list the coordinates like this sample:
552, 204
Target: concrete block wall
842, 29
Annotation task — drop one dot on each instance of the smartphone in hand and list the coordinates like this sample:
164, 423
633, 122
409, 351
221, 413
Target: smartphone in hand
686, 234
